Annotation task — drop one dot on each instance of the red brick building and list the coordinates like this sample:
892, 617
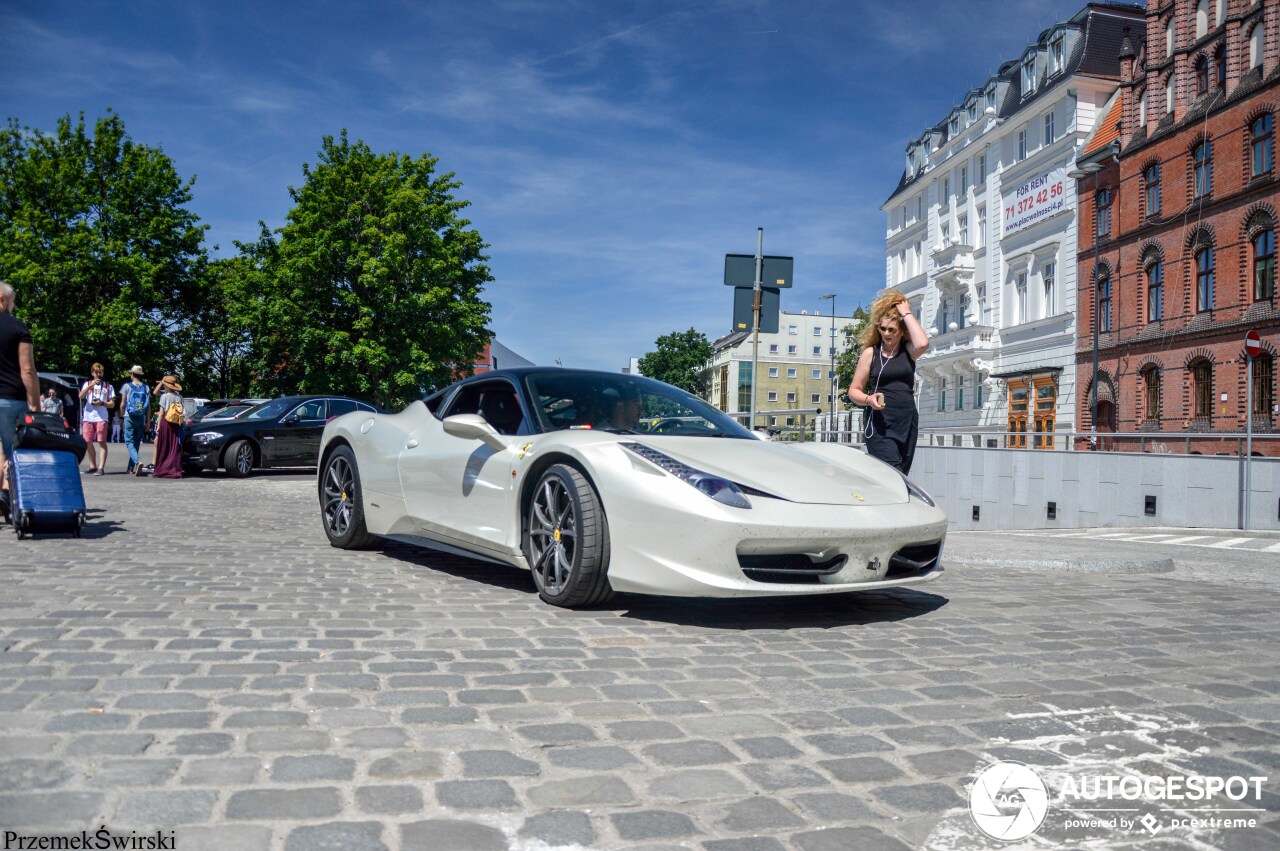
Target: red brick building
1185, 200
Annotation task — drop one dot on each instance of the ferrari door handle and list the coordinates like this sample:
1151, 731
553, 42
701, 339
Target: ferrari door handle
412, 443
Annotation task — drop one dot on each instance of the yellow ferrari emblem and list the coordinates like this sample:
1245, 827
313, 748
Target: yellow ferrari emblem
555, 536
524, 450
858, 497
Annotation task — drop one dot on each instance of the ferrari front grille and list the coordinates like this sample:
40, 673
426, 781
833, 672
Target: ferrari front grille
788, 568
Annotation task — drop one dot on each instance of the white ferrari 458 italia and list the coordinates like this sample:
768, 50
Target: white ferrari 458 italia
599, 482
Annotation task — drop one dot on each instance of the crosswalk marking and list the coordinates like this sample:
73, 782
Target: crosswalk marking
1274, 548
1230, 542
1186, 540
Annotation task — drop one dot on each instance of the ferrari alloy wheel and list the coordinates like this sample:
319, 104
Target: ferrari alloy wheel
238, 459
566, 540
340, 509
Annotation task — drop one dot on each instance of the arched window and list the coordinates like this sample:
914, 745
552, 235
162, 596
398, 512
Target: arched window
1261, 135
1202, 387
1151, 179
1155, 292
1204, 279
1255, 47
1203, 156
1263, 385
1104, 213
1168, 96
1202, 74
1220, 13
1264, 265
1142, 109
1168, 37
1151, 391
1220, 61
1202, 18
1104, 301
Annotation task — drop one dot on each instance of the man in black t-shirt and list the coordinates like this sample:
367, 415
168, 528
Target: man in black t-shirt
19, 385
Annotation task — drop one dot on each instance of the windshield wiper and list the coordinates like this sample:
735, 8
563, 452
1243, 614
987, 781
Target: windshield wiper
620, 431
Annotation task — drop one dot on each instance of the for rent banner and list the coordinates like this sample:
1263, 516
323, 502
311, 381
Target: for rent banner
1035, 200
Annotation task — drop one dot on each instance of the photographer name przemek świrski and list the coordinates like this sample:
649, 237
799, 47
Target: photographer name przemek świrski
102, 838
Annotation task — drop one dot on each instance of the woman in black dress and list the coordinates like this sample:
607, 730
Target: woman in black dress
885, 377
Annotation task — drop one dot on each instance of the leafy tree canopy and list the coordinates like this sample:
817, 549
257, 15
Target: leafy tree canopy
680, 359
373, 285
96, 238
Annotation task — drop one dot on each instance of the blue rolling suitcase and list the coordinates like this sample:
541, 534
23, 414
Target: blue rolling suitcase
45, 492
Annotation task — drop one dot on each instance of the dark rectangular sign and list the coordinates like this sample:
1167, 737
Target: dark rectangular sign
740, 271
744, 306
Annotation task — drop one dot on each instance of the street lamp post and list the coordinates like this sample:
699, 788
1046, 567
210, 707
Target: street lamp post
832, 420
1079, 174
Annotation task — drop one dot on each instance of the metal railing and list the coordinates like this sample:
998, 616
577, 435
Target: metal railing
802, 430
1165, 443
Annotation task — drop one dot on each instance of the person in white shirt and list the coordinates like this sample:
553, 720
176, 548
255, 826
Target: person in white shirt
99, 398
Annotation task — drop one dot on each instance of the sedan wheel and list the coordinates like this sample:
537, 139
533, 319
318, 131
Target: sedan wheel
238, 459
340, 508
566, 540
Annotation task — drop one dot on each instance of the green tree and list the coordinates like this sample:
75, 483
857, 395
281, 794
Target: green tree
373, 287
680, 358
96, 237
847, 358
219, 345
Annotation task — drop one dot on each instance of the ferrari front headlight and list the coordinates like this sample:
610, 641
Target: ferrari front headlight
717, 487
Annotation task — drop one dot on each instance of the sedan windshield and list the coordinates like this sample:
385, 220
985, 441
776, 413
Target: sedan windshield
269, 410
624, 404
226, 412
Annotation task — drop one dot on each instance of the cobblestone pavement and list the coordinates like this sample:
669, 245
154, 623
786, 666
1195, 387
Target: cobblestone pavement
203, 664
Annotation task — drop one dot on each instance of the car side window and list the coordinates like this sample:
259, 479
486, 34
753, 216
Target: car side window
313, 410
338, 407
363, 407
496, 401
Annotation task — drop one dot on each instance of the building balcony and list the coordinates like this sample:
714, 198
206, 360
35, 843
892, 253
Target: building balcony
952, 257
968, 338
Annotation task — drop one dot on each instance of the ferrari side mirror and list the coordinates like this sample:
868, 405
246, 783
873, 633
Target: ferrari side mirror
474, 427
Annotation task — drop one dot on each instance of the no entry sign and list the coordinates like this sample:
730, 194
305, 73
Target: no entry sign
1253, 344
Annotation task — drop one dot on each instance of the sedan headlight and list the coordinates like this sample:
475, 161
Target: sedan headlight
717, 487
206, 436
918, 492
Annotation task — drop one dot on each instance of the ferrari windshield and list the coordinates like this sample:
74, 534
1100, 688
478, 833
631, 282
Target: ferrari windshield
623, 404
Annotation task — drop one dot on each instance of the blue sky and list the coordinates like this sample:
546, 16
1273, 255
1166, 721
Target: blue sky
613, 152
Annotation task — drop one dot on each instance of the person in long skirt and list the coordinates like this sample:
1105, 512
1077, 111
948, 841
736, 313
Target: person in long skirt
168, 458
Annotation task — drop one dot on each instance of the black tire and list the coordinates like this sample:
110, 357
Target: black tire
341, 505
238, 458
572, 572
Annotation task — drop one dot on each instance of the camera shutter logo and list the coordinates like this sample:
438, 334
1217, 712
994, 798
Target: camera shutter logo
1008, 800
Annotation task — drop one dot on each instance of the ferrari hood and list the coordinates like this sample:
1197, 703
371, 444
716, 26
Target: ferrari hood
826, 474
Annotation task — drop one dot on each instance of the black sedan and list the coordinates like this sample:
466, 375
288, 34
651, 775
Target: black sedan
283, 432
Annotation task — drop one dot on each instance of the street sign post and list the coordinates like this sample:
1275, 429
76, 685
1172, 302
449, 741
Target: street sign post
762, 277
1252, 348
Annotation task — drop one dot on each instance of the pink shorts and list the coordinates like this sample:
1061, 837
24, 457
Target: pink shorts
94, 432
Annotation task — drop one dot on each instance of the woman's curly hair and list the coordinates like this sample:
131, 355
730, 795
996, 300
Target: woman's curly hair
883, 307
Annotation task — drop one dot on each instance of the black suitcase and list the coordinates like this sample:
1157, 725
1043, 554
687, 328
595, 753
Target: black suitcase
46, 431
45, 492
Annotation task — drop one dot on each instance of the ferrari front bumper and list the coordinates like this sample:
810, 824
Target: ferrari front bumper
697, 547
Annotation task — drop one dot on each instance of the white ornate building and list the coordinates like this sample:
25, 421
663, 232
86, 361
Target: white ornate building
981, 232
